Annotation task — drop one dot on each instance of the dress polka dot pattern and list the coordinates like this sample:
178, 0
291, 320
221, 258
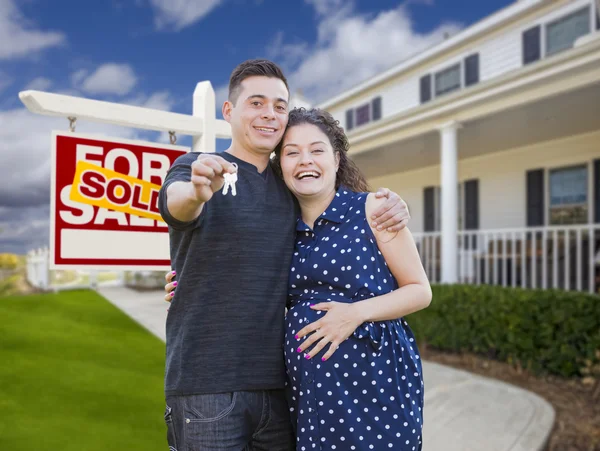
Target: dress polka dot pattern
369, 394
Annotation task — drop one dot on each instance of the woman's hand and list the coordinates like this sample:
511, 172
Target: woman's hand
340, 321
170, 286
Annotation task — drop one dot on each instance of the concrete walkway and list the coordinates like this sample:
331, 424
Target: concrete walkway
463, 411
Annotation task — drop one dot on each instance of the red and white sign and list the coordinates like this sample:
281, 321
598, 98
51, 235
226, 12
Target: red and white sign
104, 203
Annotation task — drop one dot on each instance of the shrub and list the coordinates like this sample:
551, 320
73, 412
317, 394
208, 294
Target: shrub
545, 331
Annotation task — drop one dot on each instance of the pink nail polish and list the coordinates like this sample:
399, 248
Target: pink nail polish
173, 272
172, 293
307, 357
297, 337
299, 350
322, 359
174, 284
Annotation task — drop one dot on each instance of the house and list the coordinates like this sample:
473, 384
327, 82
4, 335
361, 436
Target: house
493, 139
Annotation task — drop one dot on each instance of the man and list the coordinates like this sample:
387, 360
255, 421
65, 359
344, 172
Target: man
224, 369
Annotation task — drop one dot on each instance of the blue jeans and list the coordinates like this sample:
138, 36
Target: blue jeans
236, 421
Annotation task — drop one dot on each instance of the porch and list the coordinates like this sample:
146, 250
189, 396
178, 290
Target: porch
524, 152
560, 257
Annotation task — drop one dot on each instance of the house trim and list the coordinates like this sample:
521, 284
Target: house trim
498, 19
578, 57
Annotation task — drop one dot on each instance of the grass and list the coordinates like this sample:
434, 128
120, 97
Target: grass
77, 374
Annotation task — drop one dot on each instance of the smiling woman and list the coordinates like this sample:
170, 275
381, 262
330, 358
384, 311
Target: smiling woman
333, 139
349, 352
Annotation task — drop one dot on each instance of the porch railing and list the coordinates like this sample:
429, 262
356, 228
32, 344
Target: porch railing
562, 257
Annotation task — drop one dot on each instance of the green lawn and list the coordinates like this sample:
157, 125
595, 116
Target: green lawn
77, 374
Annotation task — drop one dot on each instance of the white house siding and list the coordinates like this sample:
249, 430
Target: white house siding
500, 55
502, 189
400, 96
497, 56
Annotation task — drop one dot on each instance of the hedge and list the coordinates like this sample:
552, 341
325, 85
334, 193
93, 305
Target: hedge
545, 331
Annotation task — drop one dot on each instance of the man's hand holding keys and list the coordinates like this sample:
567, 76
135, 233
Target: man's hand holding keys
208, 175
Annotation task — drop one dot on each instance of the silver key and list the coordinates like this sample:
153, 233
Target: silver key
230, 180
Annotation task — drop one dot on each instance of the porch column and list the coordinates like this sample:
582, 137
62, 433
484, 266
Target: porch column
449, 207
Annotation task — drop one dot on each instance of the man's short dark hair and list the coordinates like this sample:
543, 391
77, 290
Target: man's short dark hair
250, 68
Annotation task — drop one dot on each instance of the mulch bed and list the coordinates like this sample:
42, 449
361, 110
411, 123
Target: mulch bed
577, 424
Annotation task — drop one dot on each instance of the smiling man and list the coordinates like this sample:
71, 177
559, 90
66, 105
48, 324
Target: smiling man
225, 372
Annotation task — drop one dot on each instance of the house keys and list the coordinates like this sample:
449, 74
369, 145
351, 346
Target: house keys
230, 180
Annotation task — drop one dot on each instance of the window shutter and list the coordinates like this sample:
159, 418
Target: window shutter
349, 119
597, 191
429, 208
531, 45
376, 107
535, 198
471, 211
472, 204
472, 70
426, 88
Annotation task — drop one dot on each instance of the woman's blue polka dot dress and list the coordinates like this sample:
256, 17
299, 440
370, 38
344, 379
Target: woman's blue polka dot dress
369, 394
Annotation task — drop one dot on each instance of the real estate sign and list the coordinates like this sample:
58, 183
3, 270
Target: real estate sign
104, 203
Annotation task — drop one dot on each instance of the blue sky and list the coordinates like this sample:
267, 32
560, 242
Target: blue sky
153, 52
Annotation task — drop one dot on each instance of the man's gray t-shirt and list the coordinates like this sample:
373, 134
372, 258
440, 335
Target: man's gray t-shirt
225, 325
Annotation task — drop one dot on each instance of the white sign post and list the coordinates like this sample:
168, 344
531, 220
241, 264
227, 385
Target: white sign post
104, 190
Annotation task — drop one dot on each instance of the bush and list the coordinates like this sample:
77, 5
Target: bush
545, 331
9, 285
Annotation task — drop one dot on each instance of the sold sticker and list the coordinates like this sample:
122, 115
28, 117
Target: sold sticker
105, 188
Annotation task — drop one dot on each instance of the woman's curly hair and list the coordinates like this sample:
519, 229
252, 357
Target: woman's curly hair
348, 173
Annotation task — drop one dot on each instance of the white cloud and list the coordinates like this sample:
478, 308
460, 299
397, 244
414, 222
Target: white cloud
25, 171
5, 81
78, 76
221, 94
289, 54
352, 47
161, 100
18, 36
178, 14
110, 78
39, 84
326, 7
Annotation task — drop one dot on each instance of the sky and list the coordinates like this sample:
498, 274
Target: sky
152, 53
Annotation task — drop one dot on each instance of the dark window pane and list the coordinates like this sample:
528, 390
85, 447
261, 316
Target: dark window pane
562, 33
362, 114
568, 186
447, 80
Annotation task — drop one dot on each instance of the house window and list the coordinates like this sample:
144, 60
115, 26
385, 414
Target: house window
562, 33
569, 195
432, 199
363, 114
447, 80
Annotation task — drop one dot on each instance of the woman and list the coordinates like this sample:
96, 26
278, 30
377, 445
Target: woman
355, 377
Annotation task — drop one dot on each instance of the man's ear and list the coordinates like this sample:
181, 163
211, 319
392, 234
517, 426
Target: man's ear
226, 110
